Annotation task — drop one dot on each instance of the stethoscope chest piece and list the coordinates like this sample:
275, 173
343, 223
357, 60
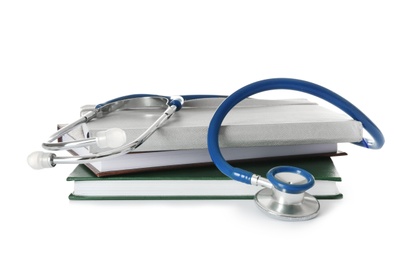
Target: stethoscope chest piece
287, 200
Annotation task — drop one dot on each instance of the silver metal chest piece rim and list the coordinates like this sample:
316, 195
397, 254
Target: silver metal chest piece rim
276, 206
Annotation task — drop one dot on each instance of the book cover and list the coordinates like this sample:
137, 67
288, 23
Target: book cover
157, 160
195, 183
253, 122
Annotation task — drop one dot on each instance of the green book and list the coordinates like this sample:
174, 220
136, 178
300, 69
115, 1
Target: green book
196, 183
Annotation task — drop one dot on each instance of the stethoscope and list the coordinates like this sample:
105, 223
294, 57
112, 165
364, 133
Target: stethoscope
113, 139
281, 198
284, 193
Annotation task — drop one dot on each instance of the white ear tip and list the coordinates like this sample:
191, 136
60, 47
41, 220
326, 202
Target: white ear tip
40, 160
112, 138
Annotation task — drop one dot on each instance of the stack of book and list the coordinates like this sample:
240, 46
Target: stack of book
174, 162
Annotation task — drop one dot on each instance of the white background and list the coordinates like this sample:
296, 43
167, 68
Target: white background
56, 56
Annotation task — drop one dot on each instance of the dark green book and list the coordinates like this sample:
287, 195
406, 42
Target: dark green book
196, 183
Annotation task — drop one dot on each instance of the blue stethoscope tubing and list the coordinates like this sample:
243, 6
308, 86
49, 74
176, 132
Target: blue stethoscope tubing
113, 138
288, 84
171, 100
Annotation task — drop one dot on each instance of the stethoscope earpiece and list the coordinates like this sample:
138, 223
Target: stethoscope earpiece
288, 199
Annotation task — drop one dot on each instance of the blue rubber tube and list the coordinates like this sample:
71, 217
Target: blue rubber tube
288, 84
171, 101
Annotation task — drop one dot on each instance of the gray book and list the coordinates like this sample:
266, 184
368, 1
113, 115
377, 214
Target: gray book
252, 123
